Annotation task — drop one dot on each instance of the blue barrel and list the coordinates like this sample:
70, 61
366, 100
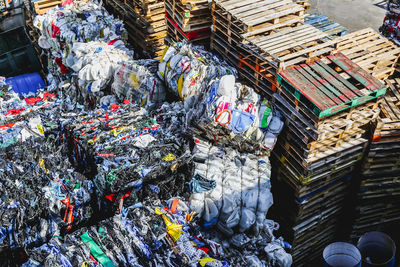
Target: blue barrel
377, 250
341, 254
26, 83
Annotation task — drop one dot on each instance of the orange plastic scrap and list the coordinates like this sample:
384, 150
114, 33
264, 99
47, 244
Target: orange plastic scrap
6, 126
174, 205
189, 217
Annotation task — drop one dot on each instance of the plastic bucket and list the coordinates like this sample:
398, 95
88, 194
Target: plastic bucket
377, 249
341, 254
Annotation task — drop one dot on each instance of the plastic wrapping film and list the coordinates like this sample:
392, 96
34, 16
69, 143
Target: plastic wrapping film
240, 195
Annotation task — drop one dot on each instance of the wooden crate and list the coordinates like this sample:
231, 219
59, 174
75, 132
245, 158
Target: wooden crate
330, 85
43, 6
371, 51
189, 17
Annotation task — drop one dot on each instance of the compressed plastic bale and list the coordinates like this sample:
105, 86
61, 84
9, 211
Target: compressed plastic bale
134, 82
210, 210
189, 69
277, 256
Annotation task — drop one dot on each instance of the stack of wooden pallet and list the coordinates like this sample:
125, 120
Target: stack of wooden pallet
379, 197
262, 57
144, 21
188, 20
324, 24
328, 104
371, 51
234, 21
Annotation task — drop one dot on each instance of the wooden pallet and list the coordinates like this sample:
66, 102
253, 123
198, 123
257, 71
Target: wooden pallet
290, 46
253, 18
379, 192
376, 213
325, 25
305, 171
43, 6
303, 186
255, 71
201, 36
379, 179
298, 210
237, 20
145, 24
371, 51
330, 85
306, 5
388, 124
312, 133
188, 17
218, 46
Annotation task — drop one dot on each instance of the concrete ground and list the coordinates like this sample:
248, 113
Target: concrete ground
352, 14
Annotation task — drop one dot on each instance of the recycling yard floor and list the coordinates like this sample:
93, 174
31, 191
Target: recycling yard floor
352, 14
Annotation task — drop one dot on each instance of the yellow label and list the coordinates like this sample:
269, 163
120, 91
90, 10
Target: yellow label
163, 55
204, 261
180, 86
169, 157
41, 164
40, 128
283, 159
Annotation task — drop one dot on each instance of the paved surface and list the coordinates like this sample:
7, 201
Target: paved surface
352, 14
